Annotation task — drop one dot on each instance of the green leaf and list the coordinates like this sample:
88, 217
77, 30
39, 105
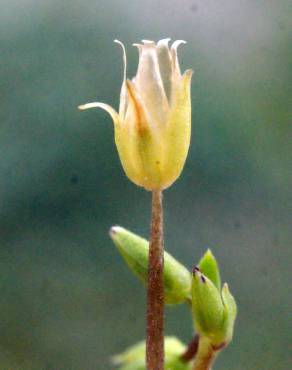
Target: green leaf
134, 250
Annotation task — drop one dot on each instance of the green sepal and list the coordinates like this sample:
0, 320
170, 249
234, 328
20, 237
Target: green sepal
230, 312
134, 357
209, 267
214, 311
207, 307
134, 250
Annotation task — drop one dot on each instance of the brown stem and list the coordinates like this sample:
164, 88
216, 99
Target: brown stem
155, 291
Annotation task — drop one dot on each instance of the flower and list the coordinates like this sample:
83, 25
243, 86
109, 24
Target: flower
153, 126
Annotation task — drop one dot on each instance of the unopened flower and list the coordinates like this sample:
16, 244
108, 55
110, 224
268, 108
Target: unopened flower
214, 309
135, 251
153, 125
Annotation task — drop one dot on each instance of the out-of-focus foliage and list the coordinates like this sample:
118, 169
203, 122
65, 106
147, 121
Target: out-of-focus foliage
67, 301
133, 358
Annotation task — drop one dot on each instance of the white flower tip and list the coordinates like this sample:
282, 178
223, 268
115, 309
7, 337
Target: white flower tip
176, 44
139, 47
148, 42
120, 43
188, 72
164, 42
88, 106
124, 57
123, 48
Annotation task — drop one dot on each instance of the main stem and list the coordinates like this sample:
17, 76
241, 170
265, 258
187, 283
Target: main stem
155, 291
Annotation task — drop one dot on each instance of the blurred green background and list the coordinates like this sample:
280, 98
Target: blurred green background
67, 300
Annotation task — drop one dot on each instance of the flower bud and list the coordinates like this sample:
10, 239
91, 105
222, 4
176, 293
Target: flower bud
134, 357
135, 250
153, 126
214, 312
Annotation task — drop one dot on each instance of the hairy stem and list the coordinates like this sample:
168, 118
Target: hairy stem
155, 291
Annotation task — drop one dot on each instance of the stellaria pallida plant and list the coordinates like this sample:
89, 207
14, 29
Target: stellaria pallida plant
152, 134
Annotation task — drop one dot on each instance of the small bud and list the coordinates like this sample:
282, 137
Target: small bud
209, 267
214, 312
134, 357
134, 250
207, 307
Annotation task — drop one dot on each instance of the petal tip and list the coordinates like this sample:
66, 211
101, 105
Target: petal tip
176, 44
189, 72
164, 42
124, 57
148, 42
119, 42
138, 46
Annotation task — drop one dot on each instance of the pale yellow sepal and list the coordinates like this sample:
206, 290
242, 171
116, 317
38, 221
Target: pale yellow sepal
178, 131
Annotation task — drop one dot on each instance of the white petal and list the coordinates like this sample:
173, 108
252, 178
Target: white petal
137, 45
149, 83
173, 50
164, 42
124, 58
148, 42
176, 44
164, 60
